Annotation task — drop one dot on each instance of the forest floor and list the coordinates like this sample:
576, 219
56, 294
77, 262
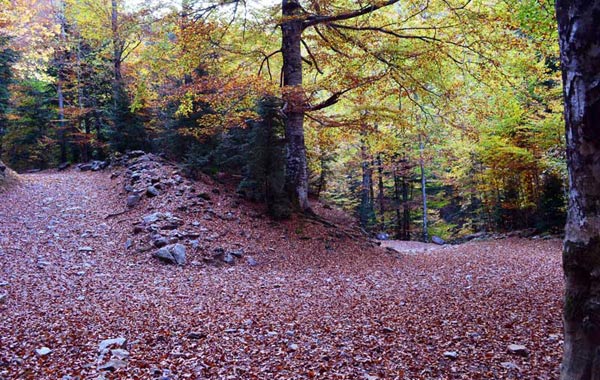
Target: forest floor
322, 308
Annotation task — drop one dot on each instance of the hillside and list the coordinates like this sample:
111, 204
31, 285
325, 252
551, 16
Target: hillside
83, 296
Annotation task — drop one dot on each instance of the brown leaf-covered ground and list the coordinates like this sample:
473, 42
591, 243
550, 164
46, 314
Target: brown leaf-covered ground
319, 305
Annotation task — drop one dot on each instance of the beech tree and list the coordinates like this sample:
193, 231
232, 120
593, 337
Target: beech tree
579, 34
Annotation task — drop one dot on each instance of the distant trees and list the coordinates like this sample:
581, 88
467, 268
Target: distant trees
7, 59
579, 35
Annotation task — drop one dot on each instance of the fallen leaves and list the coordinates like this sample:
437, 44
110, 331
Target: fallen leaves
324, 308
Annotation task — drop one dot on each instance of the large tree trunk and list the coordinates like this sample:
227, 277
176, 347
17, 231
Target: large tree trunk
296, 167
381, 195
579, 33
423, 190
62, 133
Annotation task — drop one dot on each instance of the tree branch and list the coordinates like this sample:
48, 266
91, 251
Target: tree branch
317, 19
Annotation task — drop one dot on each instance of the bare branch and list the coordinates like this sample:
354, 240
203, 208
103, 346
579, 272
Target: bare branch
318, 19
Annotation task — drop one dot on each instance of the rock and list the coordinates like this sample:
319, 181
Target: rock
99, 165
135, 154
173, 254
451, 355
152, 218
159, 241
383, 236
510, 366
85, 249
179, 253
112, 365
3, 297
133, 200
43, 351
437, 240
293, 347
119, 353
63, 166
152, 191
228, 216
517, 349
85, 167
237, 253
228, 258
128, 244
251, 261
196, 335
107, 343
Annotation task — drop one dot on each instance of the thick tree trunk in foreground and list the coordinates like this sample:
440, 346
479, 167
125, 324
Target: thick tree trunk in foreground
579, 33
296, 166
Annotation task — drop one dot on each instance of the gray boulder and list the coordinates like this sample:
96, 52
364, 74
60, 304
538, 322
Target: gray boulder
172, 254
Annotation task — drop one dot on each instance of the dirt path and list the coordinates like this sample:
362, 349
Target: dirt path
377, 317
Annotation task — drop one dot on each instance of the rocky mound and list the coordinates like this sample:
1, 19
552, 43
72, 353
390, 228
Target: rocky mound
180, 221
7, 176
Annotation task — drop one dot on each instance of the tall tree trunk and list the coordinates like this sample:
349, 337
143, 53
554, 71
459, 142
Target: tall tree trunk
405, 209
399, 221
423, 189
366, 193
296, 166
380, 196
62, 133
116, 58
83, 122
579, 33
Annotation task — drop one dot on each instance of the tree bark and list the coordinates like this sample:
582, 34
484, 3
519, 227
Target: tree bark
62, 133
423, 190
296, 165
366, 198
579, 33
380, 196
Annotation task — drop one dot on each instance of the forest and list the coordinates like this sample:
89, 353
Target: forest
345, 189
437, 107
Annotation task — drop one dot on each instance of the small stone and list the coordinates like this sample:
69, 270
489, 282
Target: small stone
152, 191
228, 258
437, 240
251, 261
196, 335
510, 366
518, 349
107, 343
237, 253
174, 254
159, 241
43, 351
152, 218
133, 200
85, 249
387, 330
3, 297
119, 353
128, 244
231, 331
113, 365
451, 355
293, 347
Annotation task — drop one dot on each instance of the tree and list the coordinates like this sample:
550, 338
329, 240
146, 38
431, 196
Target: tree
295, 21
7, 58
578, 36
